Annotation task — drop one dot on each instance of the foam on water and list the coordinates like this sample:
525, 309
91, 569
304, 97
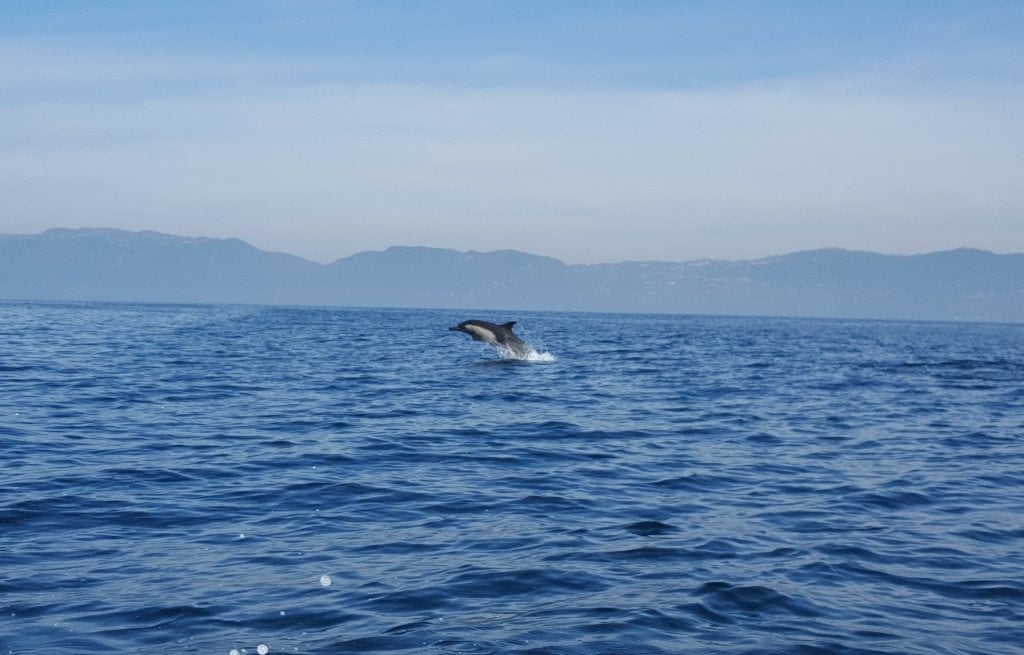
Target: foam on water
531, 356
535, 356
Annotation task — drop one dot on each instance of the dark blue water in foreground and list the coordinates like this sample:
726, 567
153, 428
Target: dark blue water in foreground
208, 479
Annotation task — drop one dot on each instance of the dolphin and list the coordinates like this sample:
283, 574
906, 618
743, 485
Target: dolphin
500, 336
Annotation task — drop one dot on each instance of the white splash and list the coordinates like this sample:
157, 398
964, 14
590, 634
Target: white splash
535, 356
530, 356
263, 649
325, 581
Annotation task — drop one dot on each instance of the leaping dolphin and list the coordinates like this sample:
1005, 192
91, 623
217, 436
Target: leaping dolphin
500, 336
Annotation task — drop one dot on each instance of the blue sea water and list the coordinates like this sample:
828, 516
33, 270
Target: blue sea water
218, 479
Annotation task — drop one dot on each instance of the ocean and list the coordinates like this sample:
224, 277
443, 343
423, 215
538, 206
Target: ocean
239, 480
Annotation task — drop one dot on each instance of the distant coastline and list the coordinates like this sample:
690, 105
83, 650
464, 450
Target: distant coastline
110, 264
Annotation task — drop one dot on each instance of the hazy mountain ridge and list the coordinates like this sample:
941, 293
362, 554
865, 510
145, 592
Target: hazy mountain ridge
110, 264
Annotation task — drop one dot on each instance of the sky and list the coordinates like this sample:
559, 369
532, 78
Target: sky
590, 131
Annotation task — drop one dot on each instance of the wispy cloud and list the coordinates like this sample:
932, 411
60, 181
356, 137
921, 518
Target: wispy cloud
323, 166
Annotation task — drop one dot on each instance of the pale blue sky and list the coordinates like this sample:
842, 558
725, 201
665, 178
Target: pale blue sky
589, 131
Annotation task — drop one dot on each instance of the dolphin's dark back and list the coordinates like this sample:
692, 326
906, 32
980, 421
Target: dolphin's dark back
505, 328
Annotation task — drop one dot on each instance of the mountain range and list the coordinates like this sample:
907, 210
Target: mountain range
116, 265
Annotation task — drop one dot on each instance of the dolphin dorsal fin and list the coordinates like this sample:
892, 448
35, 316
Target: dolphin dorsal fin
508, 325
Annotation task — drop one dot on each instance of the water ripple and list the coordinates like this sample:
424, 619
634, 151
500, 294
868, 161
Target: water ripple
202, 479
